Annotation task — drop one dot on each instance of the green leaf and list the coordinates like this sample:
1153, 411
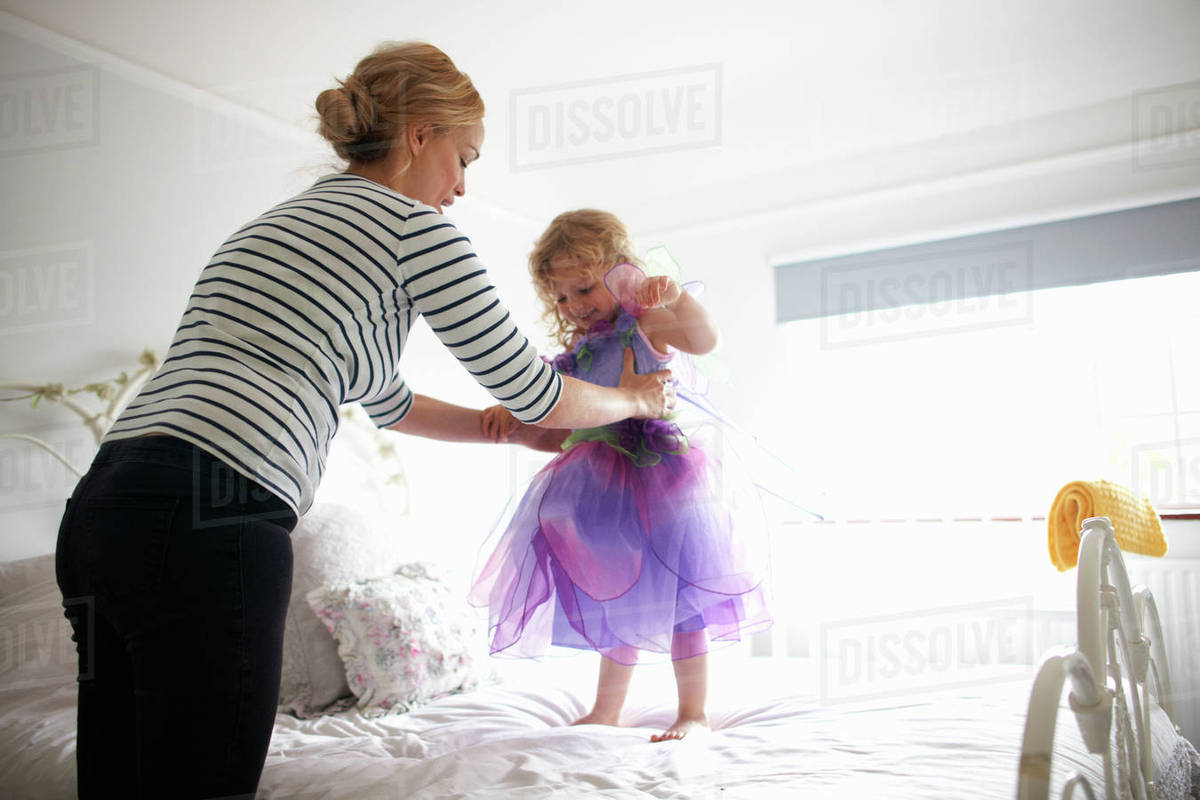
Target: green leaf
583, 359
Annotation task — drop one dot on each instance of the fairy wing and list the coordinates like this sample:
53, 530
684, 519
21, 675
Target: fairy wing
658, 261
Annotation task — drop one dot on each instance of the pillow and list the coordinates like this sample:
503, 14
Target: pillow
330, 543
405, 639
36, 648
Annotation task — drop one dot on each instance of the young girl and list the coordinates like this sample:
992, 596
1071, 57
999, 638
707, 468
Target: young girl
625, 541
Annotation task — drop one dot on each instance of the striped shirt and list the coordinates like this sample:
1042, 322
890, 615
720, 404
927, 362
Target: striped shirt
308, 307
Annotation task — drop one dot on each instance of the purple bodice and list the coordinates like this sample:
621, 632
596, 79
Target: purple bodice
597, 357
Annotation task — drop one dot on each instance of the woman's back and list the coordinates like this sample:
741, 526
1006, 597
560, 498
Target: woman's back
308, 307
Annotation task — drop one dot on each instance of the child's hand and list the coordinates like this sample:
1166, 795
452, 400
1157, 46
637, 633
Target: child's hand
497, 424
658, 291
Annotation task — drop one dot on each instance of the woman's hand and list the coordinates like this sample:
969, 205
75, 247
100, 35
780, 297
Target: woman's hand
586, 405
654, 391
497, 424
658, 290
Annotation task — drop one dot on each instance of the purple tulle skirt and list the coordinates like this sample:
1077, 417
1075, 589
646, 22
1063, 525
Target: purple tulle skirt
601, 553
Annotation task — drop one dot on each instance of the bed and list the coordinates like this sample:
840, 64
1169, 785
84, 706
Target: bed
514, 741
1025, 726
774, 734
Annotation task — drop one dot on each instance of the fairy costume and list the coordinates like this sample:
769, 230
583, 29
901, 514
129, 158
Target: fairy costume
635, 532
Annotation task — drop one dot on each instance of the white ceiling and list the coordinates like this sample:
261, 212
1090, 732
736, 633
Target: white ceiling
817, 99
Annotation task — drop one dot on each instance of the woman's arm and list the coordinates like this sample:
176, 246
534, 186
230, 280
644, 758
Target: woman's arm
582, 405
435, 419
448, 286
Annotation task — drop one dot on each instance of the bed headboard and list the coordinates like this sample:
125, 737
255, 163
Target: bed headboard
114, 393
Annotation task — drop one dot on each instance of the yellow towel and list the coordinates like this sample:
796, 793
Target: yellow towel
1133, 518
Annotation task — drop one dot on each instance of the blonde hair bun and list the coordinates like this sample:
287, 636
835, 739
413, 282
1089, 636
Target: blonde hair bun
398, 85
346, 114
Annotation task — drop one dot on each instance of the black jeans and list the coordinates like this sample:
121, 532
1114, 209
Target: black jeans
176, 573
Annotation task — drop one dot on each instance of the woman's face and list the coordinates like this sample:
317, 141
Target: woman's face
582, 297
437, 173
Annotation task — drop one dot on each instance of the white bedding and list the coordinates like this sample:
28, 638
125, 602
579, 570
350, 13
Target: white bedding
503, 743
772, 738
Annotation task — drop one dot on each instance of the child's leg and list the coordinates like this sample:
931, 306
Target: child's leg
612, 686
691, 678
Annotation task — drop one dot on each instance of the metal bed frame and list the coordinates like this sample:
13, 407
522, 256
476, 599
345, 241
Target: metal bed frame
117, 392
1116, 670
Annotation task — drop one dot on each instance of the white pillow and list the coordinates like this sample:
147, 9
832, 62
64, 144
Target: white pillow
405, 639
330, 543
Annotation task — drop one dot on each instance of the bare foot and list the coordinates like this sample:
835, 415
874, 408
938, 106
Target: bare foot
597, 718
682, 727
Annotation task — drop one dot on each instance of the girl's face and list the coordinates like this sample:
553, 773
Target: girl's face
581, 295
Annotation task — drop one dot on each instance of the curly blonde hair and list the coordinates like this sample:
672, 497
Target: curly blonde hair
594, 241
398, 85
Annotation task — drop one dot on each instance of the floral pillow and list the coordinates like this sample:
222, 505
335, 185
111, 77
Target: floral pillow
405, 639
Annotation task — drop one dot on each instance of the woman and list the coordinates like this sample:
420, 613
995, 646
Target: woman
173, 556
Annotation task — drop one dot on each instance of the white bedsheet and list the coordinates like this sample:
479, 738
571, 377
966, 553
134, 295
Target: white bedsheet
772, 738
503, 743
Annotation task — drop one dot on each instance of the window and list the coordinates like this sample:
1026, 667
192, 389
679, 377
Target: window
983, 404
